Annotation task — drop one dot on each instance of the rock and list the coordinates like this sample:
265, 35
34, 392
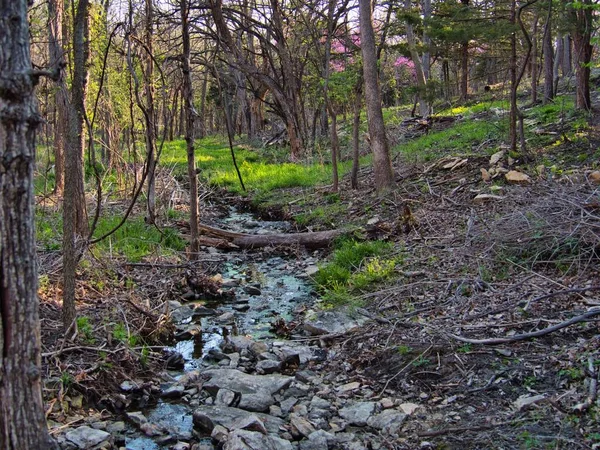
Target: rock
181, 446
181, 314
175, 361
252, 290
203, 311
305, 376
515, 176
524, 401
268, 366
219, 433
225, 318
256, 390
189, 333
300, 426
389, 421
151, 429
207, 417
250, 423
496, 157
358, 414
331, 322
483, 198
311, 270
289, 357
485, 175
174, 391
86, 437
137, 418
191, 378
258, 347
594, 177
242, 307
225, 397
320, 403
318, 440
409, 408
373, 220
128, 386
251, 440
386, 403
348, 387
116, 427
287, 404
240, 342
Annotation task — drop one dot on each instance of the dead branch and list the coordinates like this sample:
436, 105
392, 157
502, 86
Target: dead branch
521, 337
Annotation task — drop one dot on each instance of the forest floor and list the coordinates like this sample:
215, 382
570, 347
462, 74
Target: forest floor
472, 335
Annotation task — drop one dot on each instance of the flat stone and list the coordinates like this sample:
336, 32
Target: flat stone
240, 342
252, 290
137, 417
268, 366
207, 417
388, 421
386, 403
181, 314
225, 318
331, 322
496, 157
480, 199
251, 440
358, 414
321, 403
219, 433
116, 427
287, 404
300, 426
250, 423
318, 440
515, 176
348, 387
244, 383
203, 311
409, 408
524, 401
86, 437
258, 347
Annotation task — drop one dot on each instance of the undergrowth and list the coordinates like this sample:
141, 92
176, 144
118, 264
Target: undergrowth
354, 266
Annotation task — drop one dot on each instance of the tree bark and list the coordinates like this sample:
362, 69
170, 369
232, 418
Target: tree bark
355, 134
548, 58
57, 64
75, 225
464, 64
382, 164
512, 135
419, 70
22, 422
534, 60
150, 116
582, 34
188, 96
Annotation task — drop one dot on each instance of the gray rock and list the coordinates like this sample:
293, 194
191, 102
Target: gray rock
86, 437
321, 403
225, 318
300, 426
203, 311
358, 414
252, 290
181, 446
207, 417
305, 376
331, 322
268, 366
318, 440
389, 421
251, 440
174, 391
287, 404
250, 423
219, 433
240, 343
137, 418
258, 347
256, 390
225, 397
116, 427
181, 314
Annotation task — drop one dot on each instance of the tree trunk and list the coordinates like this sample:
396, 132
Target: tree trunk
355, 134
582, 47
534, 60
335, 148
382, 164
75, 225
512, 135
22, 423
464, 64
426, 41
567, 65
558, 60
150, 117
58, 64
419, 71
548, 58
188, 96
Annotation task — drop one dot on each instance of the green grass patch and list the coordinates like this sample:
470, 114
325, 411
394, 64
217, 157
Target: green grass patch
354, 266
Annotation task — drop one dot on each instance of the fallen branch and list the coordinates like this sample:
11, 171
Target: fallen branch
434, 433
521, 337
594, 374
221, 238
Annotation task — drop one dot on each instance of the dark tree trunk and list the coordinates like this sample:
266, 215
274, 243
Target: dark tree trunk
22, 423
567, 64
75, 225
464, 64
58, 64
382, 164
513, 80
150, 117
355, 135
188, 97
582, 47
558, 60
548, 58
534, 60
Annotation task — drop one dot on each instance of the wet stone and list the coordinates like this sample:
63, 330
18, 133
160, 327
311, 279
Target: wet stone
252, 290
174, 391
86, 437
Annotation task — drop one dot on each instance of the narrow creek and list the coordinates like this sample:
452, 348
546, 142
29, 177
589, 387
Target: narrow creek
266, 286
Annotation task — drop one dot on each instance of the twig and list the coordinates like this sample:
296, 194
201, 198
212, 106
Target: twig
593, 374
81, 347
521, 337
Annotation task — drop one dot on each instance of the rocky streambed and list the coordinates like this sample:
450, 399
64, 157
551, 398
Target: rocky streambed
231, 383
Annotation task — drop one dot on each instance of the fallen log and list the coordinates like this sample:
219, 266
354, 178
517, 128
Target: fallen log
224, 238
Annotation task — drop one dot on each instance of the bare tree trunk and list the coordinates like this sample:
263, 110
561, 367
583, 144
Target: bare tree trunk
75, 225
513, 81
426, 41
419, 71
202, 132
382, 164
188, 97
150, 117
58, 64
22, 422
534, 59
558, 60
335, 148
582, 34
548, 58
355, 134
567, 66
464, 63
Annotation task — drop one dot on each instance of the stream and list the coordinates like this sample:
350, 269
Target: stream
266, 287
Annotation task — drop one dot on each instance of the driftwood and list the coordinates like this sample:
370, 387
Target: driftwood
216, 237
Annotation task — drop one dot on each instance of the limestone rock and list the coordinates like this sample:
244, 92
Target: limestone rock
358, 414
86, 437
331, 322
514, 176
251, 440
388, 421
207, 417
496, 157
